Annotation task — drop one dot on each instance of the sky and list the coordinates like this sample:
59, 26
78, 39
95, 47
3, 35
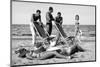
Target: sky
22, 12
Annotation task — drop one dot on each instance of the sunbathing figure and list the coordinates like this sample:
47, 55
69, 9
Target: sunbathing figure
22, 52
42, 53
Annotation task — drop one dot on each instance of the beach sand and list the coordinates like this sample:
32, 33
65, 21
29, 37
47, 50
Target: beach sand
21, 34
88, 55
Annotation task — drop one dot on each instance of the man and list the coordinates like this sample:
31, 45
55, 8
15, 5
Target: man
35, 18
59, 20
49, 19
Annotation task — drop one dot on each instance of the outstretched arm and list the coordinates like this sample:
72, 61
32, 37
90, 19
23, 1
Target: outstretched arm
52, 18
32, 20
40, 22
40, 19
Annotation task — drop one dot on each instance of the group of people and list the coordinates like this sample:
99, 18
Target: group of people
49, 18
41, 52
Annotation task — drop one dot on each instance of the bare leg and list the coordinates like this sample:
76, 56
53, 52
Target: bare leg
51, 54
58, 38
33, 31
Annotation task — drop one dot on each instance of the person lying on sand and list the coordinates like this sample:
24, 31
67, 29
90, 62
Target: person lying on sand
42, 53
22, 51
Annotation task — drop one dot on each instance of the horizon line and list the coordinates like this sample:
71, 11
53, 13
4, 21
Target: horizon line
53, 24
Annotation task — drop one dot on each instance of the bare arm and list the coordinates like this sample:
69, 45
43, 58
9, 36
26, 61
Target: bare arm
40, 22
40, 19
32, 20
53, 18
47, 16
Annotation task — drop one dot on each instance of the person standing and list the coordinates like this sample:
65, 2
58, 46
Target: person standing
78, 32
49, 19
35, 18
58, 20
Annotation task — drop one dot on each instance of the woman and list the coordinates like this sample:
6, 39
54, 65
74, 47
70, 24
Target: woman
78, 32
42, 52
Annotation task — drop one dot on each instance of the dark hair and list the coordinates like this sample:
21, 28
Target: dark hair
50, 8
76, 17
38, 11
77, 23
39, 44
59, 13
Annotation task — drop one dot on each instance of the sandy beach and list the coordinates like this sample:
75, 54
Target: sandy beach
88, 55
87, 43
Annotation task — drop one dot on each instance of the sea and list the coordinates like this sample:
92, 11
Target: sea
24, 30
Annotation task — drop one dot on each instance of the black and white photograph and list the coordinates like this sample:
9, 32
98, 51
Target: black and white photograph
52, 33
